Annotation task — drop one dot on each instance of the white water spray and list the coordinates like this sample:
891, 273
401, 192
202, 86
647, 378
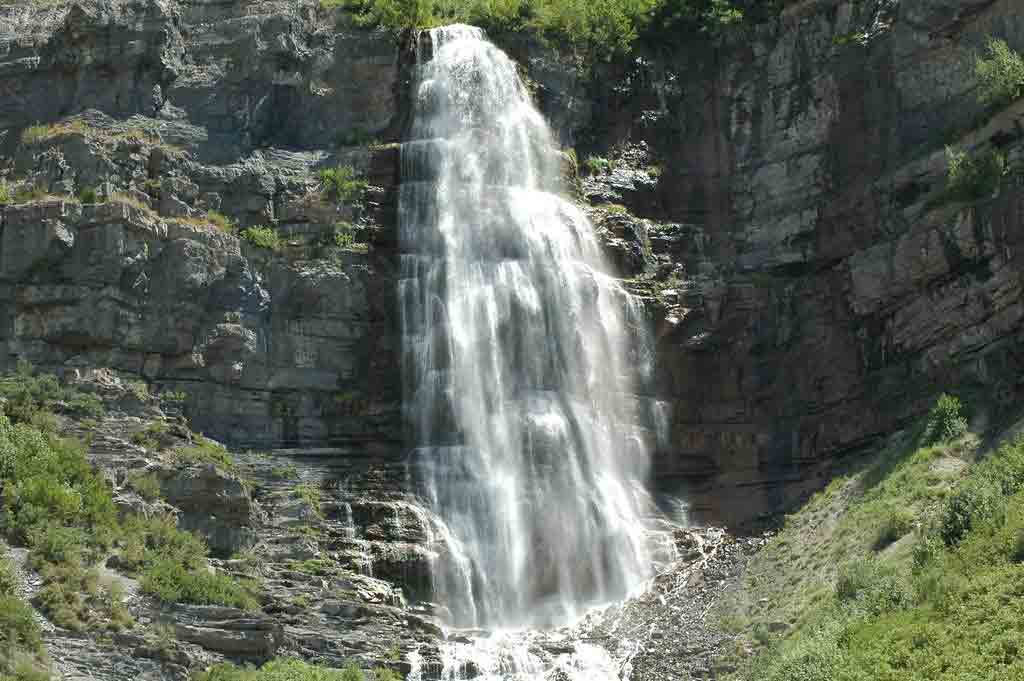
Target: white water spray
519, 356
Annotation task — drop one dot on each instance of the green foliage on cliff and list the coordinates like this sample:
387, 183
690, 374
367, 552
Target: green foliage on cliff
56, 504
26, 394
973, 177
291, 669
341, 184
220, 221
601, 28
940, 603
21, 639
1000, 74
262, 237
945, 420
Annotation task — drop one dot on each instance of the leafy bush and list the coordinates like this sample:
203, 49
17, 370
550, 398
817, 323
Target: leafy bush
87, 195
165, 578
286, 472
927, 551
26, 394
146, 539
220, 221
153, 436
970, 178
601, 29
262, 237
343, 237
173, 396
896, 523
310, 494
1000, 75
35, 134
870, 586
596, 165
341, 183
945, 422
814, 658
976, 502
139, 390
205, 451
18, 626
49, 488
146, 484
5, 193
282, 669
9, 581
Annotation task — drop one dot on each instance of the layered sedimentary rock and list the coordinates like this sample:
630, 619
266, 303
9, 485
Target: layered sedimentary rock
809, 293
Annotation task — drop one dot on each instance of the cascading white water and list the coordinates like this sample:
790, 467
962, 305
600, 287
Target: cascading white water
519, 355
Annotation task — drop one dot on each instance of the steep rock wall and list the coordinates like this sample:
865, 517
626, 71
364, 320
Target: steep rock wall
819, 296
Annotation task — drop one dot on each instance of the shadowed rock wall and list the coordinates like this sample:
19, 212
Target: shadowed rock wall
810, 293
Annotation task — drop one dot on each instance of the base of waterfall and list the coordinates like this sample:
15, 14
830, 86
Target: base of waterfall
666, 631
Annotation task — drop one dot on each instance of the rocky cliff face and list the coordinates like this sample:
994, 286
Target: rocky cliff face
809, 292
826, 291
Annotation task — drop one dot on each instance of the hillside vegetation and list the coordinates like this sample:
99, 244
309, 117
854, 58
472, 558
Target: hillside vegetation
911, 568
57, 505
601, 28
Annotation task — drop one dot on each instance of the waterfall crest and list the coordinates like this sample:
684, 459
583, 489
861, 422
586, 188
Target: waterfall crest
520, 355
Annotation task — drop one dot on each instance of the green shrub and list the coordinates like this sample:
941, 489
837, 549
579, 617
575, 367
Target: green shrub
146, 484
896, 523
9, 581
344, 238
977, 501
87, 195
280, 669
945, 422
5, 193
18, 626
174, 396
1005, 466
872, 587
262, 237
147, 539
927, 551
309, 494
139, 390
597, 165
152, 436
385, 674
29, 193
352, 672
287, 472
26, 394
220, 221
166, 579
970, 178
814, 658
205, 451
1000, 75
47, 482
600, 29
341, 183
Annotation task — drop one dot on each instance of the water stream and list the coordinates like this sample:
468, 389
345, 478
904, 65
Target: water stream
520, 358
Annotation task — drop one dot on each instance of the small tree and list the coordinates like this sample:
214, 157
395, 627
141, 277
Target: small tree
945, 421
1000, 75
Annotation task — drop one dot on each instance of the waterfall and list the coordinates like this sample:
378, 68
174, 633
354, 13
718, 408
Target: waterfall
520, 354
